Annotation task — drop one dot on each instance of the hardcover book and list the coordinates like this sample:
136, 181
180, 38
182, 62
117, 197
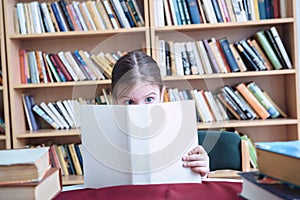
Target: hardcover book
23, 165
285, 155
147, 143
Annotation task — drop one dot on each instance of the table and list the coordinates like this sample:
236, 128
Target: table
209, 189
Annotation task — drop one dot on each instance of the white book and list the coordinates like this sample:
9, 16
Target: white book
64, 60
98, 16
213, 106
80, 17
281, 47
110, 14
204, 57
86, 57
237, 11
162, 58
172, 8
168, 16
221, 108
138, 12
33, 68
242, 11
159, 19
121, 13
34, 6
137, 159
21, 18
65, 113
197, 58
209, 12
28, 16
75, 66
69, 108
218, 55
204, 106
44, 106
42, 64
61, 16
58, 115
45, 11
36, 108
52, 68
88, 15
75, 106
178, 58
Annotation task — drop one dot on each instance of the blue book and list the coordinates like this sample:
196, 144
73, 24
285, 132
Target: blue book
28, 102
177, 13
181, 11
194, 11
59, 20
256, 186
262, 9
186, 12
63, 5
280, 160
79, 155
217, 10
127, 13
229, 55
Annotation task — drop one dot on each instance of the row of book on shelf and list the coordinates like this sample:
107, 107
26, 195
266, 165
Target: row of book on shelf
181, 12
60, 114
277, 176
263, 51
63, 16
28, 173
79, 65
242, 102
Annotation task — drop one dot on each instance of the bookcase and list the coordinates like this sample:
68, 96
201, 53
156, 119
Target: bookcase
5, 139
112, 40
282, 85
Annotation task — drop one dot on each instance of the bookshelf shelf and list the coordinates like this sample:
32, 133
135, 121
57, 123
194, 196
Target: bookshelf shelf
72, 180
49, 133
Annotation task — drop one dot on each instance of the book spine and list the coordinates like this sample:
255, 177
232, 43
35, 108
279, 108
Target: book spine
127, 13
181, 12
57, 67
185, 62
260, 36
211, 56
252, 100
75, 159
228, 54
252, 55
44, 116
63, 5
79, 14
110, 14
51, 114
246, 58
84, 66
194, 11
259, 54
217, 10
257, 92
58, 17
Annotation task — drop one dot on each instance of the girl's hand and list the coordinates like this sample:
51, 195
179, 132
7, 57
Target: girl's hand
198, 160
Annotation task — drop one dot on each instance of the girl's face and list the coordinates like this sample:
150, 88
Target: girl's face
141, 94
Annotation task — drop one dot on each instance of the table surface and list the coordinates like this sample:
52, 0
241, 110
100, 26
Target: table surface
208, 189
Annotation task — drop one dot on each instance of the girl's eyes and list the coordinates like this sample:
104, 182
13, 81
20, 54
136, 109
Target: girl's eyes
129, 102
149, 100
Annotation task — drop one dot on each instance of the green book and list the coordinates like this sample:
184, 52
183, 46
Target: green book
268, 49
252, 151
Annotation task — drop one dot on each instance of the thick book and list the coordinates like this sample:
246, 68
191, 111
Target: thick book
23, 165
194, 11
169, 132
47, 188
257, 186
229, 55
280, 160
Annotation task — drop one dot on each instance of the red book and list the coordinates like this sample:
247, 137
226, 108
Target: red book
62, 67
22, 60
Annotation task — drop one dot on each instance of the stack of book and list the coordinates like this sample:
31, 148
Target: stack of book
264, 50
176, 12
62, 16
27, 174
278, 172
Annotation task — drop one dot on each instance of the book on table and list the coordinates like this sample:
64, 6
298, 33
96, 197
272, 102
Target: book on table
257, 186
280, 160
24, 164
138, 144
46, 188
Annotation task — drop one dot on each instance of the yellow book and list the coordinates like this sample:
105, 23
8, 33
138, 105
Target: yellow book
62, 161
75, 159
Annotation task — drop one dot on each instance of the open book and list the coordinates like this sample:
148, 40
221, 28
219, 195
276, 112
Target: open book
138, 144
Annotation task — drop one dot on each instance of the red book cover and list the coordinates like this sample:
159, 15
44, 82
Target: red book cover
62, 67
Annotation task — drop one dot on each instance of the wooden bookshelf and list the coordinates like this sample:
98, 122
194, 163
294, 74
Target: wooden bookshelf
5, 140
111, 40
282, 85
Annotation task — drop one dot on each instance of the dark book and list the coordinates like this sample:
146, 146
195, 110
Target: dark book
62, 114
112, 3
186, 11
63, 5
272, 42
230, 104
81, 64
217, 10
260, 54
229, 90
229, 55
247, 8
181, 12
58, 16
194, 11
78, 152
177, 13
185, 62
251, 66
276, 8
262, 9
62, 67
269, 9
168, 58
127, 13
58, 69
71, 167
258, 186
32, 120
252, 55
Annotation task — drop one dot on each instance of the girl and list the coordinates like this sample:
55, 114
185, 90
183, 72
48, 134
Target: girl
136, 80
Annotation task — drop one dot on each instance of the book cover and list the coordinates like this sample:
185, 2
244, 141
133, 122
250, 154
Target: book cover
74, 17
75, 159
217, 54
238, 58
137, 158
285, 155
194, 11
80, 16
44, 116
63, 4
59, 17
47, 17
135, 13
57, 68
23, 165
211, 56
127, 13
120, 13
95, 15
217, 10
257, 186
260, 54
62, 161
109, 11
86, 14
66, 64
31, 119
53, 19
204, 57
251, 66
186, 11
262, 9
82, 64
